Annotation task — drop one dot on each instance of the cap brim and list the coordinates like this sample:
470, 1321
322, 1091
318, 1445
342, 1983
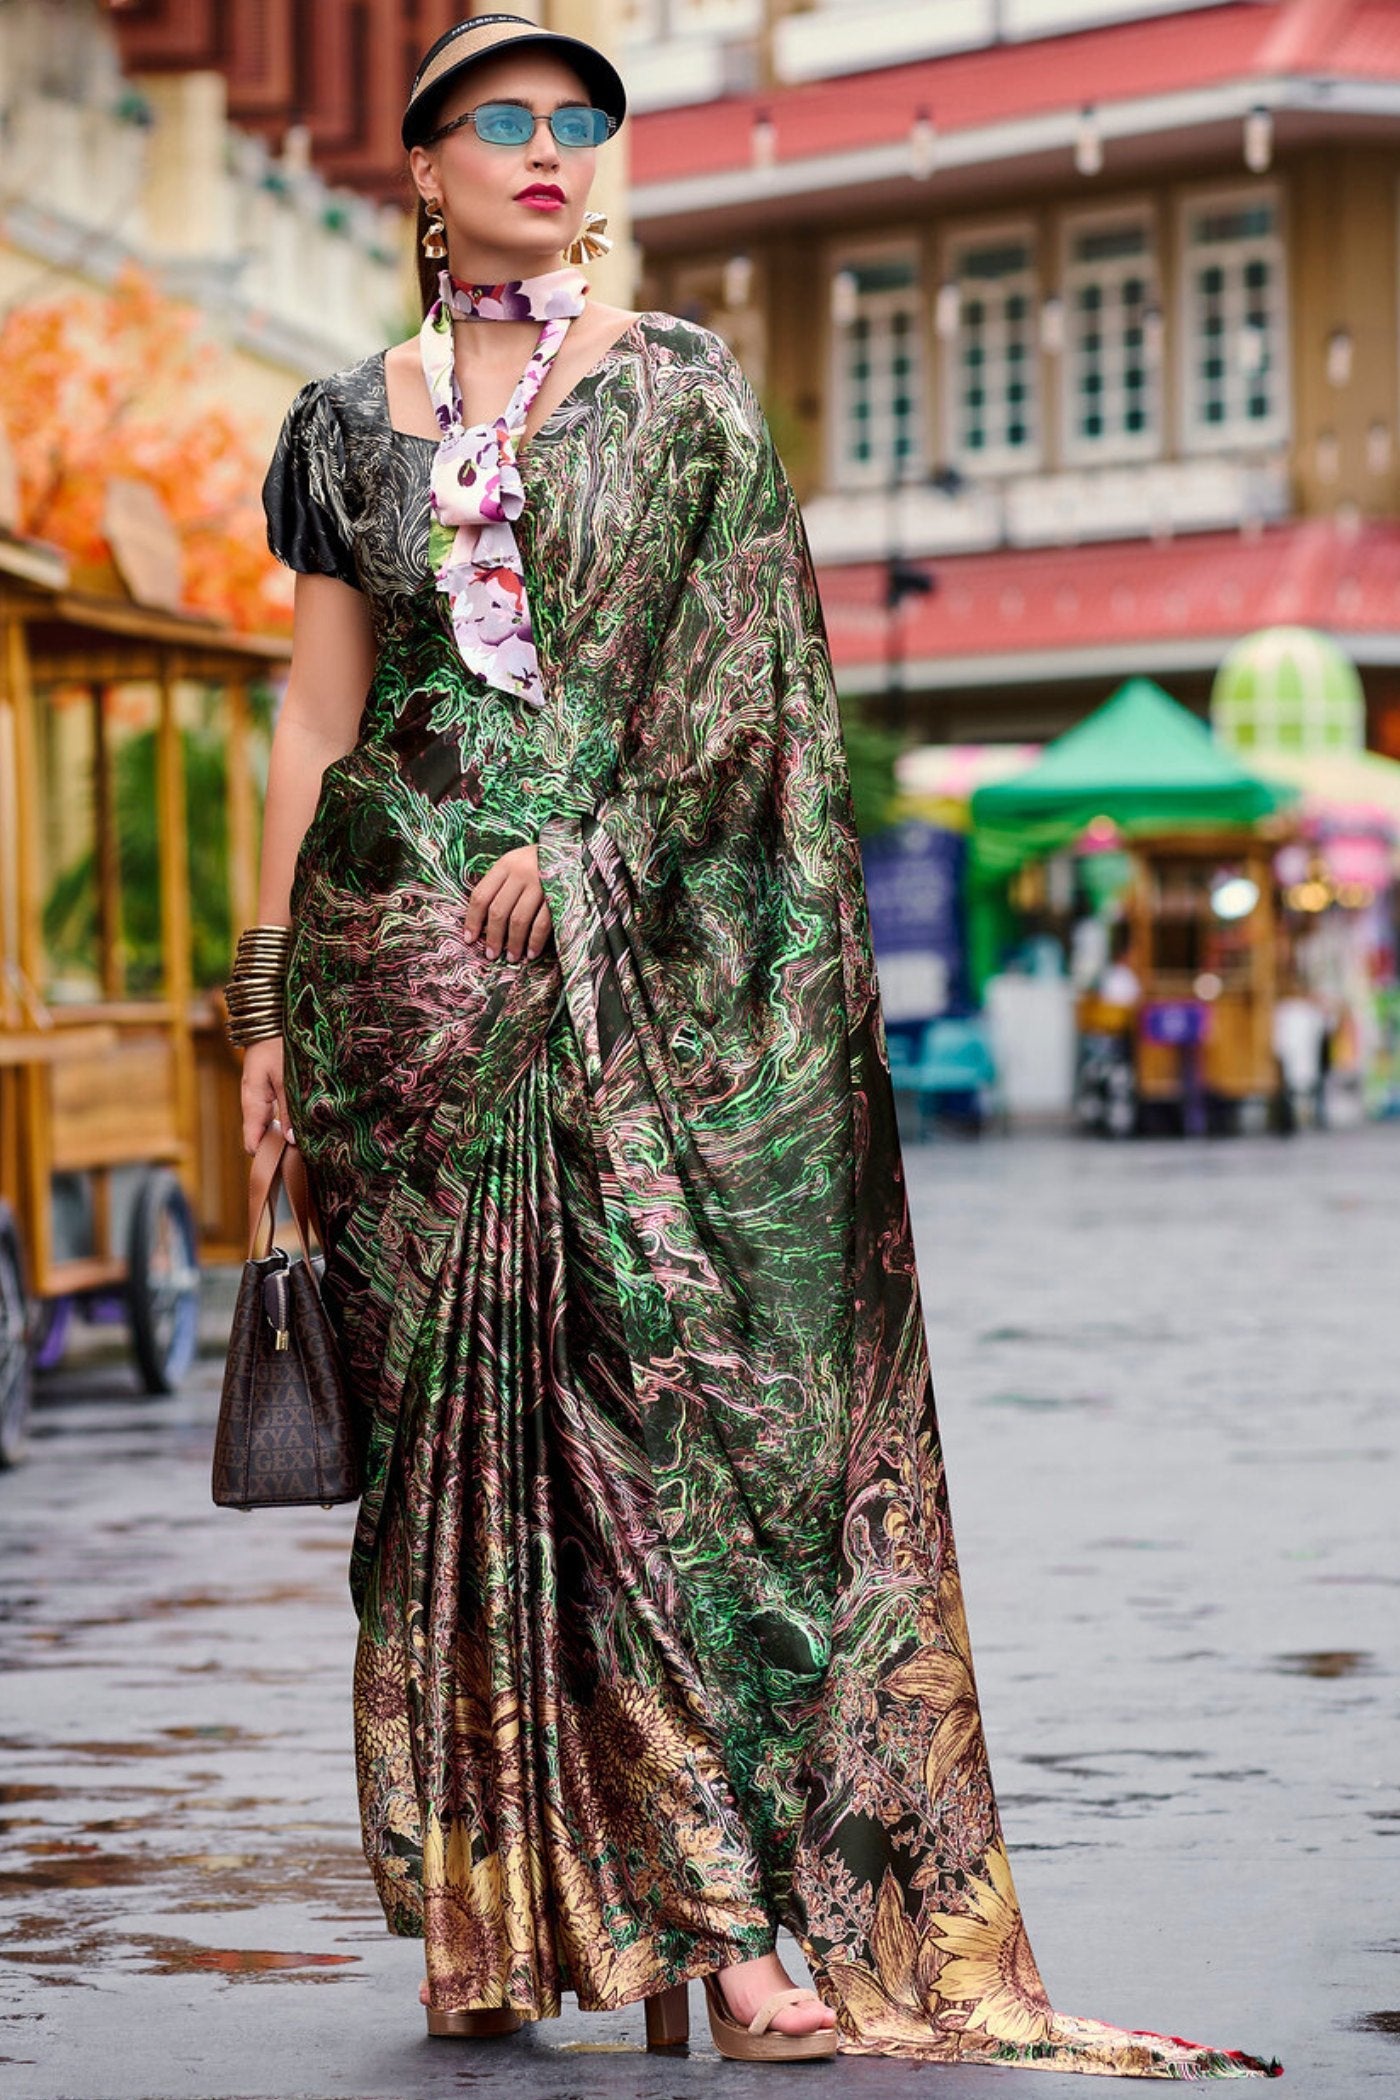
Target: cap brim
597, 73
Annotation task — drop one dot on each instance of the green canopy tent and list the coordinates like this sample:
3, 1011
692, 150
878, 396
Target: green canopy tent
1141, 760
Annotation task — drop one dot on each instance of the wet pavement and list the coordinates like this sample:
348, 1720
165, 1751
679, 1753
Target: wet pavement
1167, 1376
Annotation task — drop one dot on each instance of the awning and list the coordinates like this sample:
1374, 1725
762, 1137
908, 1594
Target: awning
1025, 614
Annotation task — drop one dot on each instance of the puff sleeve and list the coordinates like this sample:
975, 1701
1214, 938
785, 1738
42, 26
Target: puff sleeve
308, 525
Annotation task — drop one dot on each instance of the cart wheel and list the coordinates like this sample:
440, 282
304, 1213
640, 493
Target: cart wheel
163, 1281
16, 1371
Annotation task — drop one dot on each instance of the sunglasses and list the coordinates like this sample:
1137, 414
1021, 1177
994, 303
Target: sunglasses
513, 124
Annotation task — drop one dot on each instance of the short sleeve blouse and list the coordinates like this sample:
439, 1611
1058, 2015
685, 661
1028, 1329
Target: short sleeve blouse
308, 526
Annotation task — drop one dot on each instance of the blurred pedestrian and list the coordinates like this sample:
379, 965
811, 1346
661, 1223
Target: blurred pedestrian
662, 1642
1300, 1038
1119, 984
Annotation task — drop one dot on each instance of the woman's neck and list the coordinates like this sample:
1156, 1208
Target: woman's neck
487, 266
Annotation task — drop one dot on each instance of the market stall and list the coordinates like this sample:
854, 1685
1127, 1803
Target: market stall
1188, 834
1291, 704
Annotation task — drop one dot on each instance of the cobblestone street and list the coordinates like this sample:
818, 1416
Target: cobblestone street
1167, 1378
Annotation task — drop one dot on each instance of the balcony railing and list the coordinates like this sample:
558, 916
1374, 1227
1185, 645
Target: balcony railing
676, 48
1155, 499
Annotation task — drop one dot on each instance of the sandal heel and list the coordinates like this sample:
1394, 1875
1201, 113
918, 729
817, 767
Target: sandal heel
668, 2018
477, 2026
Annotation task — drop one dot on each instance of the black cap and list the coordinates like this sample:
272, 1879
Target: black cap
482, 34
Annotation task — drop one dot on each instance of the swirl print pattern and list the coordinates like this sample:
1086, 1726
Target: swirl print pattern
661, 1634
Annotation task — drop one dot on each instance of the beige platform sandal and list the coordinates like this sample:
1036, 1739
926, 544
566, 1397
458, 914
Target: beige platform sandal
760, 2042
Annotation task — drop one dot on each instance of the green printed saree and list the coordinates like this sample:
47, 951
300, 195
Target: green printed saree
661, 1634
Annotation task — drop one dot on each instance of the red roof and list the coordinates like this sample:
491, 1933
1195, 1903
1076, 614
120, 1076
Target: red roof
1352, 37
972, 88
1204, 587
1370, 43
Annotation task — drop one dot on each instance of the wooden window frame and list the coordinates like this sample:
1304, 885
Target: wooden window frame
1000, 459
1116, 446
1236, 433
842, 471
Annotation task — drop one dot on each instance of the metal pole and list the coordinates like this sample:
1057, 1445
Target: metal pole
894, 617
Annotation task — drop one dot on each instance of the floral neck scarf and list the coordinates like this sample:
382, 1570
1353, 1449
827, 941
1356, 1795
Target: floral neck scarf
476, 485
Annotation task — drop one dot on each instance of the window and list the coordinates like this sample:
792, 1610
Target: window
879, 368
1236, 386
993, 395
1112, 325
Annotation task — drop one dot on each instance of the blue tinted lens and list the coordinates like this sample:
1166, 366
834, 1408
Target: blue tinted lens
579, 127
503, 123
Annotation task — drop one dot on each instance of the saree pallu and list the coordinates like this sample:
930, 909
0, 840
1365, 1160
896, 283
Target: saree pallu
661, 1634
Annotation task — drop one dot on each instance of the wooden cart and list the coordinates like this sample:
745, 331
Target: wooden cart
120, 1143
1197, 1048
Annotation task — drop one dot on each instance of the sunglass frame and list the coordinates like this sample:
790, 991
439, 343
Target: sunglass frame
469, 116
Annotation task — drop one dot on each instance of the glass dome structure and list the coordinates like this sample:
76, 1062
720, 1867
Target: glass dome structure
1288, 689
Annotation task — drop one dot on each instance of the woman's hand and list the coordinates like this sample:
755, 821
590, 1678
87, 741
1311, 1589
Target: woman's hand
262, 1093
508, 908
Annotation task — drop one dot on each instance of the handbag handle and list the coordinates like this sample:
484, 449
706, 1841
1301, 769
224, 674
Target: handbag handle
277, 1158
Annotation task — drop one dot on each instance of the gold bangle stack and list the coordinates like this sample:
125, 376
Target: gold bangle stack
255, 991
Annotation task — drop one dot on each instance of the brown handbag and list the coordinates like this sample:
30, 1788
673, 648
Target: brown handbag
284, 1436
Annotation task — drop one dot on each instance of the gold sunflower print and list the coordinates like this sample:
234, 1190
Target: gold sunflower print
633, 1744
991, 1964
941, 1679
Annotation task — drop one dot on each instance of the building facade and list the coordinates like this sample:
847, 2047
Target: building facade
101, 167
334, 77
247, 156
1077, 321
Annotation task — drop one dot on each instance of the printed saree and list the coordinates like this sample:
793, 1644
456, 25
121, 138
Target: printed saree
661, 1635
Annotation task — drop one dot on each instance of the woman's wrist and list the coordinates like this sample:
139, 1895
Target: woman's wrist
255, 993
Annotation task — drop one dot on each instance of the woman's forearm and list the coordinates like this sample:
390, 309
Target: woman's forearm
333, 657
300, 754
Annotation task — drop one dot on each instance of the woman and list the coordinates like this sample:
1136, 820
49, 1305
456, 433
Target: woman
661, 1637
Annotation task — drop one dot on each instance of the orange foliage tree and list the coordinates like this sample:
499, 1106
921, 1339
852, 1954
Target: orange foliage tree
124, 383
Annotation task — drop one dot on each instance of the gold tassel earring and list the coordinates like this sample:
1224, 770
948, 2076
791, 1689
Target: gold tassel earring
435, 232
590, 240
